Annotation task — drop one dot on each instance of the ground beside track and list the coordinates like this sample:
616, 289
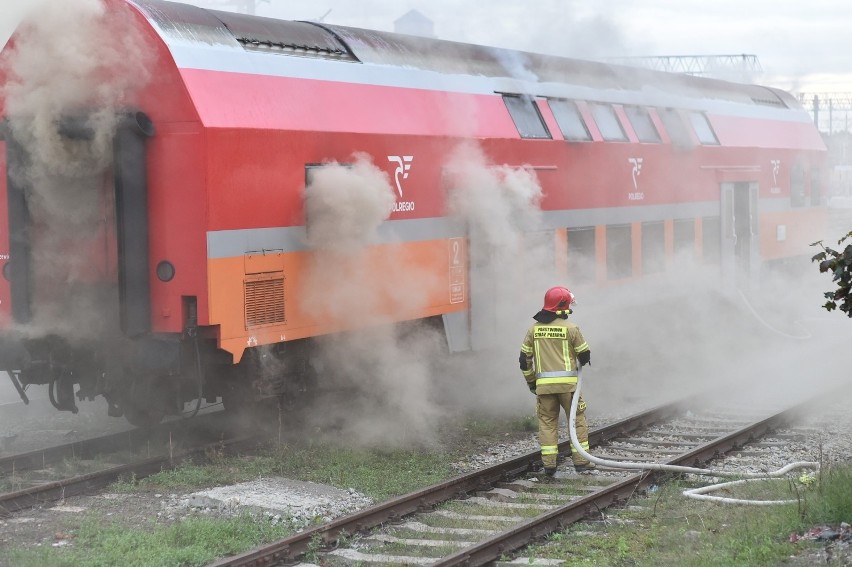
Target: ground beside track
37, 425
147, 508
59, 526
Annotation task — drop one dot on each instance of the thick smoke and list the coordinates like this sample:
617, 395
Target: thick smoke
511, 264
75, 58
500, 206
345, 204
377, 382
69, 73
348, 281
653, 339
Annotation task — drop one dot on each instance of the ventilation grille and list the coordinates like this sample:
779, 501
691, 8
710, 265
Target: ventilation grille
264, 301
778, 103
280, 47
765, 96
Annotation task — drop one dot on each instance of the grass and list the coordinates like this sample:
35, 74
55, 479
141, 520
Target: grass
485, 426
670, 530
187, 543
379, 474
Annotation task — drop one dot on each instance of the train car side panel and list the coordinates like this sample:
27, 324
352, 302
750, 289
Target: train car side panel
177, 200
269, 297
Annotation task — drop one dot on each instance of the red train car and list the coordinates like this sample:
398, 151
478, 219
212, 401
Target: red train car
169, 193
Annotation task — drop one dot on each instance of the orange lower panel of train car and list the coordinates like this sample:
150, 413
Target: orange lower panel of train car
789, 233
265, 298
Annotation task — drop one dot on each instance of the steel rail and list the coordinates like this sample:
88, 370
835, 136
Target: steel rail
12, 502
113, 442
493, 548
287, 550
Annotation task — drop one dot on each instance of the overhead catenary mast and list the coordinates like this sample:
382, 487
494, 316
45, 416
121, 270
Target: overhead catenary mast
829, 109
742, 67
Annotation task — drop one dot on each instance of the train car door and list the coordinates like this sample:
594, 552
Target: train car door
740, 241
498, 281
5, 257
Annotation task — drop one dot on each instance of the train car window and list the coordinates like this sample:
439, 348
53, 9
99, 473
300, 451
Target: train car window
608, 123
653, 247
797, 186
684, 239
703, 129
526, 116
711, 240
619, 251
642, 124
675, 127
581, 254
570, 120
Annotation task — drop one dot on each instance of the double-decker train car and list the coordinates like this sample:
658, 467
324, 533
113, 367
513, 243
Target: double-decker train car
158, 234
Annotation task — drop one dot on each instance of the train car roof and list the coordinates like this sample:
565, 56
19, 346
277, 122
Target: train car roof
203, 38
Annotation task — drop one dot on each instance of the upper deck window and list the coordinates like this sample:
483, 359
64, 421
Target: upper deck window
526, 116
608, 123
642, 124
675, 127
703, 129
570, 120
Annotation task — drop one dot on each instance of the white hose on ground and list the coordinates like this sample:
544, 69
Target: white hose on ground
697, 493
807, 335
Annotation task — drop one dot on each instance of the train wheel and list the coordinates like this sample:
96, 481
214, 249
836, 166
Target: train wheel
147, 401
143, 417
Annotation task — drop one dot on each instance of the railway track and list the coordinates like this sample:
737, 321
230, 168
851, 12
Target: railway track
148, 452
483, 516
149, 440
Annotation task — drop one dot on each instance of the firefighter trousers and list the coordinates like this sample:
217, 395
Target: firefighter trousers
548, 406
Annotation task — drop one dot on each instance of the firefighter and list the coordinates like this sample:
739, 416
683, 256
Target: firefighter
552, 350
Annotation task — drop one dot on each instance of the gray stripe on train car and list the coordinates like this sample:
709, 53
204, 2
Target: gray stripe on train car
230, 243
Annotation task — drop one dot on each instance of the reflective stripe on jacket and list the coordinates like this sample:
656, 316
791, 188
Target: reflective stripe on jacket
551, 350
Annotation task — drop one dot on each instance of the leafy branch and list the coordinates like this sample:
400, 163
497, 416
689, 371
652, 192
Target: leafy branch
839, 264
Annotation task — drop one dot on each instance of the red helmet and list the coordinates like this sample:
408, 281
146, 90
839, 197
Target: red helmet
558, 299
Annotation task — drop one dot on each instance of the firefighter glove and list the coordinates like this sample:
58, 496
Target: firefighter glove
524, 362
531, 386
585, 358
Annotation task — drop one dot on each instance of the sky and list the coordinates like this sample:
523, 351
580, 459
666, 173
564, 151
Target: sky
801, 46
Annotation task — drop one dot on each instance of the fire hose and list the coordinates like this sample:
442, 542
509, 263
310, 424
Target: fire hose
700, 493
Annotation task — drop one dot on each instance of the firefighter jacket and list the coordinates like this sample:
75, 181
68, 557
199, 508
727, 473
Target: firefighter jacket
550, 352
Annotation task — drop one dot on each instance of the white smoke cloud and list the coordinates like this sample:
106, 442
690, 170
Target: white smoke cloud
344, 205
500, 206
75, 58
511, 265
377, 382
72, 67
